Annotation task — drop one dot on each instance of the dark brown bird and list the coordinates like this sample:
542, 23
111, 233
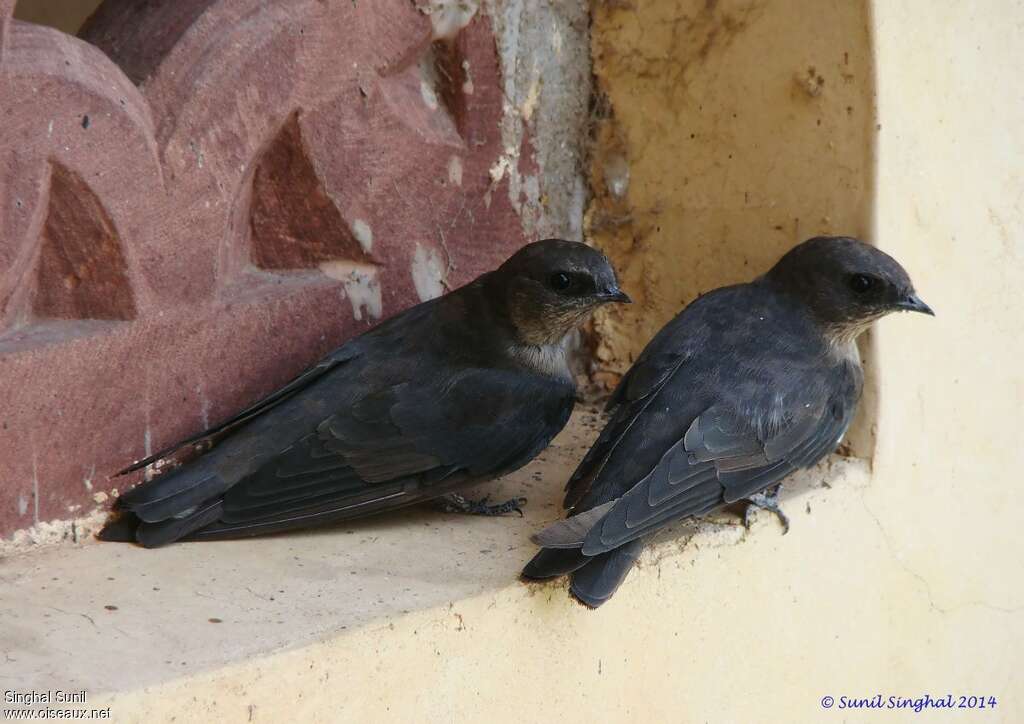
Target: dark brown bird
744, 386
447, 394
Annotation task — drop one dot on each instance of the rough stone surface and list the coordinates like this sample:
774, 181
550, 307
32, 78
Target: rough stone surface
224, 193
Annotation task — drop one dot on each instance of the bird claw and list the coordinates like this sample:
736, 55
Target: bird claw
455, 503
766, 500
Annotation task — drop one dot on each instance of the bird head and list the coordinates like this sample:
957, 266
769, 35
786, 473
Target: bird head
846, 283
549, 287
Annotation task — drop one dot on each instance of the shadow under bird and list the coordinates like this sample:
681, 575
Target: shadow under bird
746, 385
449, 393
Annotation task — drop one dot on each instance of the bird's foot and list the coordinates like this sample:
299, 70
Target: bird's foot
455, 503
766, 500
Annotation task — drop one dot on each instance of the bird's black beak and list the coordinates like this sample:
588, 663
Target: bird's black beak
614, 295
913, 303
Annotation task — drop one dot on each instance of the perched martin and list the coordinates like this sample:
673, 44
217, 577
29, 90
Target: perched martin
447, 394
744, 386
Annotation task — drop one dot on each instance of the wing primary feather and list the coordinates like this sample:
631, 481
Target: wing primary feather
571, 532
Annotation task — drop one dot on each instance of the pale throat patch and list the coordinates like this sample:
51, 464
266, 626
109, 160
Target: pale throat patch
842, 336
843, 343
547, 359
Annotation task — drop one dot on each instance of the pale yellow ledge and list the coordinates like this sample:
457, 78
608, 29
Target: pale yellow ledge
421, 617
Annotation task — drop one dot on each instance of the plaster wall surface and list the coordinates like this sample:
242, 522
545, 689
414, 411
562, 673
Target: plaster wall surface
717, 149
950, 204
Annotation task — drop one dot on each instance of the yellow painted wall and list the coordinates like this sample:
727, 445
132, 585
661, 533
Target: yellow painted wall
910, 134
950, 204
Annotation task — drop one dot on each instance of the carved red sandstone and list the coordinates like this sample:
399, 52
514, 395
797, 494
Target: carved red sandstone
173, 247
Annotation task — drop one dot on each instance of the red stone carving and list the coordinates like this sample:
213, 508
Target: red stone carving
199, 198
81, 272
294, 223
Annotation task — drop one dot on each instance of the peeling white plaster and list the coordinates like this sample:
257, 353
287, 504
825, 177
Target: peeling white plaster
502, 165
429, 80
363, 291
512, 126
467, 85
428, 272
364, 234
22, 504
428, 94
361, 286
455, 171
448, 17
543, 53
53, 532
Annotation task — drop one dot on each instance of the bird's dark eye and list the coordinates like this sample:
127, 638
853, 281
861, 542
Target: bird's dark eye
560, 281
861, 283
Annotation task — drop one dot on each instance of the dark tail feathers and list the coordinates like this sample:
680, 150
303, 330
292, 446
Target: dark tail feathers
594, 583
594, 579
167, 508
129, 528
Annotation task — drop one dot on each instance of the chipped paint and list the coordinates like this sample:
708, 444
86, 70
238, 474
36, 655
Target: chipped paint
467, 85
448, 17
362, 287
428, 94
544, 54
428, 272
364, 234
429, 81
22, 504
74, 531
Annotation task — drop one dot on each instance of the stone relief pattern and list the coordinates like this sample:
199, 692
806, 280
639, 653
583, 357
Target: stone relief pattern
199, 198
